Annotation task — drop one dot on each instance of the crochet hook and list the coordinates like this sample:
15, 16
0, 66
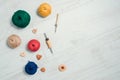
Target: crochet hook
56, 22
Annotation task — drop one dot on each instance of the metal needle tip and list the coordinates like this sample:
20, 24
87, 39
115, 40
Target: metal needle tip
51, 50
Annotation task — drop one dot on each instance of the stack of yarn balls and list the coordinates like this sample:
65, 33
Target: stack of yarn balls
21, 19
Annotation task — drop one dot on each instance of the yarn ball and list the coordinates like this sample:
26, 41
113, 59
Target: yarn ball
14, 41
21, 18
44, 10
31, 68
33, 45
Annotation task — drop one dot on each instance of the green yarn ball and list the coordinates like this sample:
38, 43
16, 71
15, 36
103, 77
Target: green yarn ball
21, 18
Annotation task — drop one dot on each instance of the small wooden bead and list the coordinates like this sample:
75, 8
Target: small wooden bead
23, 54
34, 31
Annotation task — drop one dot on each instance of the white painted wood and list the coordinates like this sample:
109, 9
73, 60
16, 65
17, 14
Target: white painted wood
87, 40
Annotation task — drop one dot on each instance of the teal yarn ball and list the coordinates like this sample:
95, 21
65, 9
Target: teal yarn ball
21, 18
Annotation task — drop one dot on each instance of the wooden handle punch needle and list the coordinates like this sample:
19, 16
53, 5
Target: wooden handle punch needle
48, 43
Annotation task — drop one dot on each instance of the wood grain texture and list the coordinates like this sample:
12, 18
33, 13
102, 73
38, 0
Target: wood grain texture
87, 40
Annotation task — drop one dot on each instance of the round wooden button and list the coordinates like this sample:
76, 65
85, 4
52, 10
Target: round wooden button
13, 41
62, 67
44, 10
43, 69
33, 45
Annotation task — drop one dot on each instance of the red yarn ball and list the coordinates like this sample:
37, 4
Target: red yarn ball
33, 45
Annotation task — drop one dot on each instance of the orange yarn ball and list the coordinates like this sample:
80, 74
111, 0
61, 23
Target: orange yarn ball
44, 10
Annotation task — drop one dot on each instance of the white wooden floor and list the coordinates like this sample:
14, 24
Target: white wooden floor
87, 40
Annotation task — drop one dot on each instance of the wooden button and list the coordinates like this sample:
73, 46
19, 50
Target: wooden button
13, 41
43, 69
62, 67
38, 56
